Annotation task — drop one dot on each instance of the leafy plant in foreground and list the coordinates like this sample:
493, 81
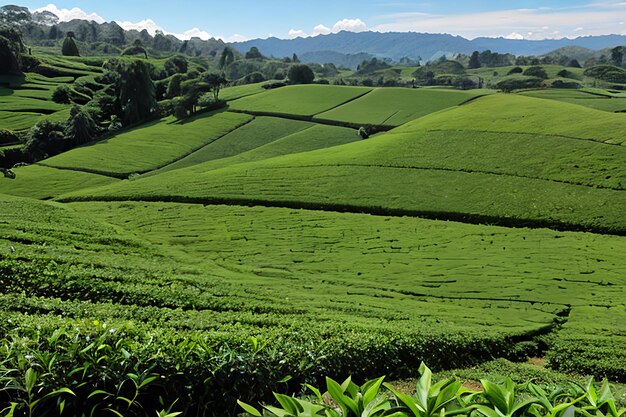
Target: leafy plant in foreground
431, 399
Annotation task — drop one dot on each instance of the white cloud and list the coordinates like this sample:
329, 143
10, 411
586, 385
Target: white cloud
599, 18
321, 30
65, 15
515, 35
150, 25
350, 25
293, 33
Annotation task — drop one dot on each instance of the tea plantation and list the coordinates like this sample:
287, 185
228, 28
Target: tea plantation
188, 265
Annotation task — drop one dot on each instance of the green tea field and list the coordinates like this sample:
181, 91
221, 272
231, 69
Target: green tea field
265, 245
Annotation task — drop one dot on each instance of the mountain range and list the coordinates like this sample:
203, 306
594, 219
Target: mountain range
427, 46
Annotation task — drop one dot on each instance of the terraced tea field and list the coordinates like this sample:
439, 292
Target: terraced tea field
288, 100
595, 99
393, 107
148, 147
268, 241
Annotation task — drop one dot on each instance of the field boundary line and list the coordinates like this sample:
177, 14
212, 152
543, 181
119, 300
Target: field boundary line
466, 171
459, 217
126, 175
553, 135
345, 102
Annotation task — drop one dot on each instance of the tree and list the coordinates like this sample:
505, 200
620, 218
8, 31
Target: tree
515, 70
215, 82
300, 74
134, 89
254, 53
11, 49
617, 55
474, 61
69, 47
81, 127
227, 57
186, 105
176, 65
295, 59
536, 71
44, 139
574, 64
173, 88
62, 94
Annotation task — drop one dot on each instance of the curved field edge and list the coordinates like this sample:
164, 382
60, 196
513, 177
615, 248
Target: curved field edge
150, 146
183, 316
520, 202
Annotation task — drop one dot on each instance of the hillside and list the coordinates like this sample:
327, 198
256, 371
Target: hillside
239, 240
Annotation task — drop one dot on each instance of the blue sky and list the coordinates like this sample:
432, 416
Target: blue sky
246, 19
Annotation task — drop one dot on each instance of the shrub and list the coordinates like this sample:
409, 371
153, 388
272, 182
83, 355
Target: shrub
519, 83
300, 74
69, 47
608, 73
515, 70
62, 94
7, 137
536, 71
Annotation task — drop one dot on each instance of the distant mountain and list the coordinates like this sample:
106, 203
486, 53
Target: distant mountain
396, 45
351, 61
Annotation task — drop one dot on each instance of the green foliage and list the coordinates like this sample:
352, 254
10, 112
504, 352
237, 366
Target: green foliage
62, 94
135, 50
536, 71
518, 83
174, 86
474, 61
44, 139
81, 127
300, 74
7, 137
447, 398
135, 91
607, 73
227, 57
254, 53
69, 47
176, 65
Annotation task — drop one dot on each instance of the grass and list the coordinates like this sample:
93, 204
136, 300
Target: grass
422, 169
261, 131
288, 100
150, 146
395, 106
240, 91
308, 139
44, 183
17, 121
519, 114
585, 98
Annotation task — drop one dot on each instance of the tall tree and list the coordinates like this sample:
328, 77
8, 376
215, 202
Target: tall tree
254, 53
69, 47
474, 61
81, 127
135, 89
617, 55
227, 57
215, 81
